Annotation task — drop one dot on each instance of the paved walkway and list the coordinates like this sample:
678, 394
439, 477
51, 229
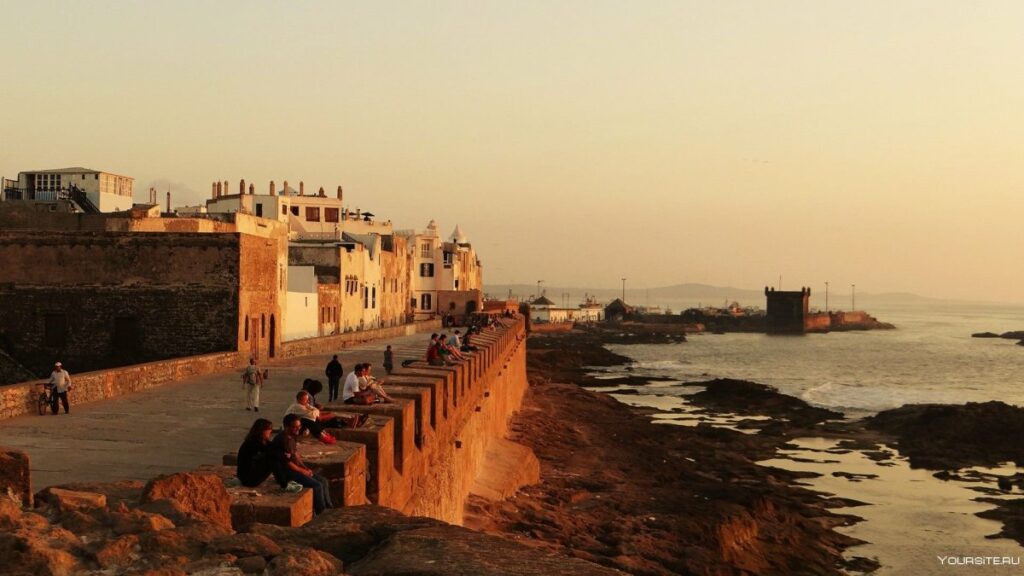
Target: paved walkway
174, 427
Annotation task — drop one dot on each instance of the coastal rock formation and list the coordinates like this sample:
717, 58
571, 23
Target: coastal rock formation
942, 436
743, 397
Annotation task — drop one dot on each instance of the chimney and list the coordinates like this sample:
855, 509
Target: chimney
284, 188
226, 188
321, 194
302, 188
218, 185
152, 196
241, 186
252, 188
272, 191
213, 190
168, 201
339, 192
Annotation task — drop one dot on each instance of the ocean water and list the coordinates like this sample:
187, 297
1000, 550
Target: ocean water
930, 357
911, 518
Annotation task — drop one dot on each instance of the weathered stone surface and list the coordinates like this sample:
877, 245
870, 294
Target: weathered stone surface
454, 551
200, 495
74, 500
119, 552
10, 514
24, 552
15, 478
242, 545
299, 561
347, 533
136, 521
251, 564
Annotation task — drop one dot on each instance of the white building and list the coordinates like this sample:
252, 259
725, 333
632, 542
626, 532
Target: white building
302, 304
544, 310
440, 266
89, 190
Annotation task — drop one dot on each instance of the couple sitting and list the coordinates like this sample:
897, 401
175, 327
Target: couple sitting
315, 421
362, 388
259, 457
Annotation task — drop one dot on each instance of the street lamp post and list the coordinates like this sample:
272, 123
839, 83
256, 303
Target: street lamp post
826, 296
623, 290
853, 297
539, 282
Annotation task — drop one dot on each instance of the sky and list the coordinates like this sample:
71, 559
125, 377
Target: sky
721, 142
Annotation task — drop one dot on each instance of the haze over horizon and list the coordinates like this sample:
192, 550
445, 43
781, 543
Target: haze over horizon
725, 143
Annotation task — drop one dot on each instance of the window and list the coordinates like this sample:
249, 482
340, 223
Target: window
427, 270
425, 250
56, 330
284, 210
246, 328
312, 213
412, 302
366, 297
447, 259
374, 298
259, 210
330, 214
295, 210
425, 301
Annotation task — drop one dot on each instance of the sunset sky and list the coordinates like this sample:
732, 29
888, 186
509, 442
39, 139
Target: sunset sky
876, 143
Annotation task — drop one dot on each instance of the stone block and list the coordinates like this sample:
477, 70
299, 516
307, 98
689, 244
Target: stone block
344, 466
402, 411
378, 435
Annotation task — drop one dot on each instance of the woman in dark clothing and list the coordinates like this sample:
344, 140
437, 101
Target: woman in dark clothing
253, 454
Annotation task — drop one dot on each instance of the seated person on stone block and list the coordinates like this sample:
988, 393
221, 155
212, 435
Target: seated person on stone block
434, 353
254, 454
369, 383
453, 351
312, 419
289, 467
314, 387
351, 393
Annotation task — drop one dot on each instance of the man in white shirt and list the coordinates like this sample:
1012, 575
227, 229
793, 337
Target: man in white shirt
60, 380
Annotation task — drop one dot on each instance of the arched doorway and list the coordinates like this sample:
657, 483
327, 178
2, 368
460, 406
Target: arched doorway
273, 337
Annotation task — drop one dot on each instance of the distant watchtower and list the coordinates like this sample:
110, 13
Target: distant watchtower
787, 310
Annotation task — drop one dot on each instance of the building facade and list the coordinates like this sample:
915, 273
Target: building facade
89, 190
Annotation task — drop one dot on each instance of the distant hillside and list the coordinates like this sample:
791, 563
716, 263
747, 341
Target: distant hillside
681, 296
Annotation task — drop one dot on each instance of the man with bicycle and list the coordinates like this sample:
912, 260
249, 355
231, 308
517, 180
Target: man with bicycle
60, 383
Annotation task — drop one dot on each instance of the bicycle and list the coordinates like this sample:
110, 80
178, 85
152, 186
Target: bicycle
45, 397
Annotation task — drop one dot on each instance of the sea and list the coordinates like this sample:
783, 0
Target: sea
914, 523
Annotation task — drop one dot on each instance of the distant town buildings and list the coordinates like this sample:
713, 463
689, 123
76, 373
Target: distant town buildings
71, 189
245, 272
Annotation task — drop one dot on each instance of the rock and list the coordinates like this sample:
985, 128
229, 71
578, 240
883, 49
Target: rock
984, 335
10, 514
119, 552
25, 552
453, 550
15, 478
199, 495
347, 533
251, 564
242, 545
1014, 335
136, 521
299, 561
74, 500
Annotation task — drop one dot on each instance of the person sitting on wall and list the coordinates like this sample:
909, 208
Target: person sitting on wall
254, 454
467, 345
369, 383
434, 353
316, 421
351, 393
289, 467
449, 354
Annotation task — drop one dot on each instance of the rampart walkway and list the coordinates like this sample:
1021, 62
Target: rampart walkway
173, 427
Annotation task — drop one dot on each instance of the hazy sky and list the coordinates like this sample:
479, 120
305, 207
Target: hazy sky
876, 143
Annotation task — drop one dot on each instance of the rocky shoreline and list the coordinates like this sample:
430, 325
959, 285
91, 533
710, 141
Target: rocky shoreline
646, 498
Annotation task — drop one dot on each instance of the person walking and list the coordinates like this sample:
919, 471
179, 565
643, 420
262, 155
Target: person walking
60, 380
252, 381
389, 359
334, 371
